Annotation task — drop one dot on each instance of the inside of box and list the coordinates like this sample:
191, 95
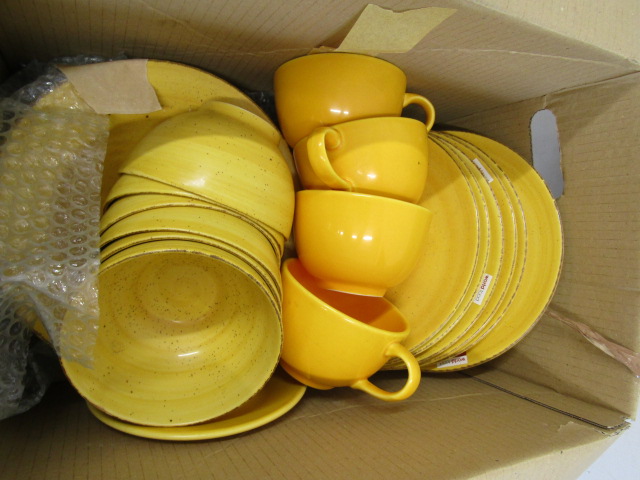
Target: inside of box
485, 72
472, 61
453, 427
599, 282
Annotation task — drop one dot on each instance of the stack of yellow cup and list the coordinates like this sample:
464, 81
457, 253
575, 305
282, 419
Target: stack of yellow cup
357, 228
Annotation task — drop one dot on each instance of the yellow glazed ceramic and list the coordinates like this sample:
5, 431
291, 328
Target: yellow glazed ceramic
223, 153
333, 339
385, 156
514, 252
477, 279
131, 204
453, 251
184, 336
134, 186
179, 88
330, 88
210, 247
207, 222
543, 260
127, 185
279, 396
358, 243
267, 275
266, 271
486, 284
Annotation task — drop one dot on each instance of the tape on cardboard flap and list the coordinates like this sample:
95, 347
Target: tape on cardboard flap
380, 30
119, 86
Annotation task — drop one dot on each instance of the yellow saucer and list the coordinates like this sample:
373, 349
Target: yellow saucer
543, 260
180, 88
484, 280
505, 284
431, 296
279, 395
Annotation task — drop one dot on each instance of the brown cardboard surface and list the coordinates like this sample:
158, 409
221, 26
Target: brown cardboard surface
454, 427
609, 420
600, 283
485, 71
471, 62
559, 16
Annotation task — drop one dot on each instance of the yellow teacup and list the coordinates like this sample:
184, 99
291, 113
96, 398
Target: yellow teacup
358, 243
330, 88
334, 339
383, 156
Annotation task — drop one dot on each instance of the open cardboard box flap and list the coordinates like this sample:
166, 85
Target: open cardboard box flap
544, 408
472, 61
453, 427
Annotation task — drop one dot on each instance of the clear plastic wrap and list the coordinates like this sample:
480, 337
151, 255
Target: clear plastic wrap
52, 148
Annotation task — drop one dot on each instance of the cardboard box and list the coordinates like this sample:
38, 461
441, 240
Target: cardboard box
548, 407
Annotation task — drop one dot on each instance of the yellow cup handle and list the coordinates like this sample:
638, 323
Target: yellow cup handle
413, 380
319, 160
427, 106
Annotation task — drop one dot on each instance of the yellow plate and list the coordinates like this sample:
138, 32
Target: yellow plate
484, 207
179, 88
543, 260
487, 288
514, 251
431, 296
280, 394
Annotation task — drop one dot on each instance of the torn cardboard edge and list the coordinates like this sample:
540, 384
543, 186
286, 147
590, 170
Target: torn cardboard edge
115, 87
624, 355
378, 30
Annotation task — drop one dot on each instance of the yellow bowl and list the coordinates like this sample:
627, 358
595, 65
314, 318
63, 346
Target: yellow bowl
149, 197
206, 222
271, 278
184, 336
127, 185
334, 339
180, 88
358, 243
225, 154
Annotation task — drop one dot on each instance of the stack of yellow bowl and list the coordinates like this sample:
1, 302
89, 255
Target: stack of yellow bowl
192, 236
357, 229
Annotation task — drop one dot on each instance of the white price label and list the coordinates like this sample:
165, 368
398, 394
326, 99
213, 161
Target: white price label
485, 173
458, 360
482, 289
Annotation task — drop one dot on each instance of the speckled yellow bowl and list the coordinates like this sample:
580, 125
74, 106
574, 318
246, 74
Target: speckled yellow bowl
207, 222
184, 336
272, 279
134, 193
223, 153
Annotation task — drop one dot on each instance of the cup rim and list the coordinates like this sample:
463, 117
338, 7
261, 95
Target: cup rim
399, 334
366, 120
343, 54
359, 196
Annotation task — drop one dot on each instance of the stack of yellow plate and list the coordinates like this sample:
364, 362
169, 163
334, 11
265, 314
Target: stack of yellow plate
493, 257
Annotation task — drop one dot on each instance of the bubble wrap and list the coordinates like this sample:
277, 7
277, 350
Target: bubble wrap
51, 158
